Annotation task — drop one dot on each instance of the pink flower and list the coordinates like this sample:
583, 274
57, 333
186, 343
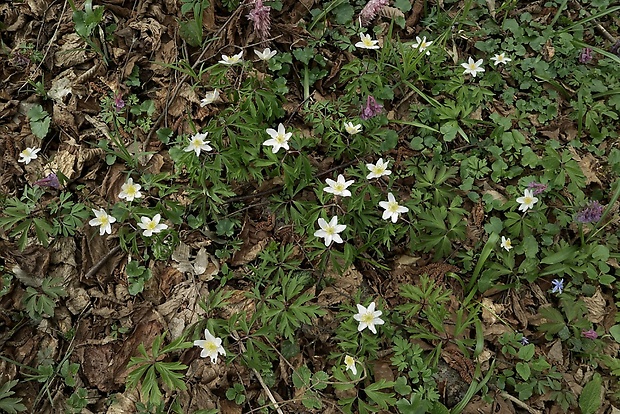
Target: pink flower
590, 334
50, 181
370, 11
371, 109
259, 15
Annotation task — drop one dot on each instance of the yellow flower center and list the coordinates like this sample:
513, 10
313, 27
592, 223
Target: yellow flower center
472, 66
103, 220
339, 187
367, 42
367, 318
210, 346
393, 207
527, 200
378, 170
131, 191
151, 225
330, 231
280, 139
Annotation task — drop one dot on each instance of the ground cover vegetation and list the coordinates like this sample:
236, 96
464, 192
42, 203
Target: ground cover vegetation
320, 206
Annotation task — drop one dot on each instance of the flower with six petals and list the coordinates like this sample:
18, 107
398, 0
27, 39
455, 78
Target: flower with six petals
151, 226
129, 190
231, 60
197, 143
28, 155
368, 317
392, 208
211, 346
279, 139
527, 201
472, 67
103, 220
422, 45
338, 187
366, 42
329, 231
378, 170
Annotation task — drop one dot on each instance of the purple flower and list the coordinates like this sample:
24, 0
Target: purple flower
259, 15
50, 181
615, 49
586, 55
590, 334
537, 187
590, 214
524, 341
558, 285
118, 102
371, 109
370, 10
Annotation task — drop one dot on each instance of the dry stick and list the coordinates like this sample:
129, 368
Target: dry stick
101, 262
520, 403
236, 336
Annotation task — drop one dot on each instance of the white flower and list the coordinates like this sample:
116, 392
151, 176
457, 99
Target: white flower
265, 54
232, 60
368, 318
211, 346
210, 97
352, 129
501, 58
349, 361
527, 201
279, 139
197, 143
129, 190
103, 220
338, 187
151, 226
422, 45
329, 231
378, 170
392, 208
506, 244
472, 67
28, 155
367, 42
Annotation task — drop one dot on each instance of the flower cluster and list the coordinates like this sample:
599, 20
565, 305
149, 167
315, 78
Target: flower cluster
370, 11
371, 109
260, 18
591, 214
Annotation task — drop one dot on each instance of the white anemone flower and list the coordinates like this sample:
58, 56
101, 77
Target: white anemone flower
130, 191
279, 139
103, 220
329, 231
231, 60
368, 317
338, 187
210, 97
211, 346
392, 208
472, 67
366, 42
378, 170
197, 143
28, 155
151, 226
266, 54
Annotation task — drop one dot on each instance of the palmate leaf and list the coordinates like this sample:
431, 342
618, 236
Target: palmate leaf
10, 405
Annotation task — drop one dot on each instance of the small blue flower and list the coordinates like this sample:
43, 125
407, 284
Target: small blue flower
558, 285
524, 341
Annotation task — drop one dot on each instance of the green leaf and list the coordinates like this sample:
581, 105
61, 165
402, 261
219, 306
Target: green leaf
527, 352
560, 256
590, 398
615, 332
39, 121
523, 369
